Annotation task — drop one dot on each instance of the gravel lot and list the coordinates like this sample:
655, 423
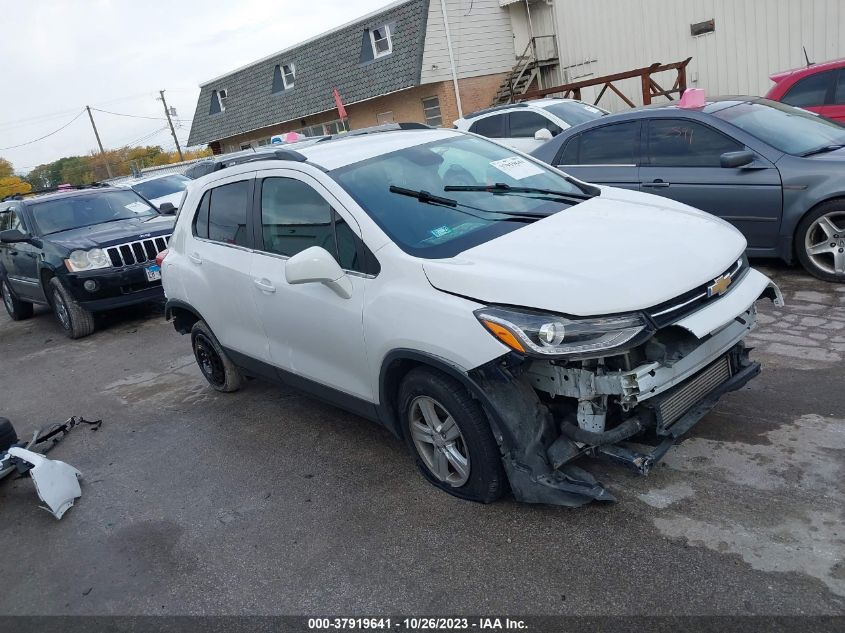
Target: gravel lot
267, 502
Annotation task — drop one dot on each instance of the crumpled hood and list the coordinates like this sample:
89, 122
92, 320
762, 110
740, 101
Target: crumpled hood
622, 251
110, 233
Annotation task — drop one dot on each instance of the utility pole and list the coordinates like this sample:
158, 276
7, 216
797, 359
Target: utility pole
170, 123
97, 134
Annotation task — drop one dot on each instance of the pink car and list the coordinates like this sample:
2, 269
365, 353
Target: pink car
819, 88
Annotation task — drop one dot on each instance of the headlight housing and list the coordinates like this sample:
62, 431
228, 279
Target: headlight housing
87, 260
554, 336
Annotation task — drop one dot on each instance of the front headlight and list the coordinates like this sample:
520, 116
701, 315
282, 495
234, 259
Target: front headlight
554, 336
87, 260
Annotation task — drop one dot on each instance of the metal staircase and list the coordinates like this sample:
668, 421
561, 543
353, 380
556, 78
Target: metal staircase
541, 51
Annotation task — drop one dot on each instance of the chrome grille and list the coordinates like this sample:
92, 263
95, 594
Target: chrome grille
677, 403
138, 252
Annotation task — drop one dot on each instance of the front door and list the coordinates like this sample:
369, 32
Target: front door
605, 155
314, 334
20, 259
682, 161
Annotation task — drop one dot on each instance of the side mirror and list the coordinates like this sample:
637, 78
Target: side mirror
316, 264
736, 159
167, 208
543, 134
13, 236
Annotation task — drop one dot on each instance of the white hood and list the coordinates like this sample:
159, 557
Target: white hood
619, 252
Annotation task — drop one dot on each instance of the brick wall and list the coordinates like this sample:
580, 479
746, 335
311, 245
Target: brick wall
405, 105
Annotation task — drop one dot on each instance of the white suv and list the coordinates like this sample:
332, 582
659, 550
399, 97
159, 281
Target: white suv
527, 125
502, 318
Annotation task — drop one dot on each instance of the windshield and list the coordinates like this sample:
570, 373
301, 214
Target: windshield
791, 130
73, 212
160, 187
434, 231
575, 112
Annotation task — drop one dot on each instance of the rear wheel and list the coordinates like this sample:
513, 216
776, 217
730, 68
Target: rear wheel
220, 372
450, 436
75, 320
16, 308
821, 241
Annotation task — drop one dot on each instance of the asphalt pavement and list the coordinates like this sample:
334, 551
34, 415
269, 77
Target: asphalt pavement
269, 502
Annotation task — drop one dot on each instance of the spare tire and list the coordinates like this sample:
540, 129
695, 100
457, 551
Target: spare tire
7, 434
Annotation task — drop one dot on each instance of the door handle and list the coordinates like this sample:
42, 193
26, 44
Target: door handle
656, 184
194, 257
264, 285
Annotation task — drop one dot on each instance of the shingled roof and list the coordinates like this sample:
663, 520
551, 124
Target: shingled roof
337, 59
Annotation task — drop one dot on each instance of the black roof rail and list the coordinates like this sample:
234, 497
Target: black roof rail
386, 127
472, 115
58, 189
278, 154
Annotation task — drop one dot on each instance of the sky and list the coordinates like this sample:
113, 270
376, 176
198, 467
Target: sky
57, 56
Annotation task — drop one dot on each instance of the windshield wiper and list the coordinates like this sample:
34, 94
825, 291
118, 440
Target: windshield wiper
428, 198
823, 149
501, 188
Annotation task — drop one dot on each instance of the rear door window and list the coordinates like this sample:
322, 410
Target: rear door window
810, 91
616, 144
490, 126
839, 94
221, 215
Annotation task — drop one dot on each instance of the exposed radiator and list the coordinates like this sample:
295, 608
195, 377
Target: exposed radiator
138, 252
679, 401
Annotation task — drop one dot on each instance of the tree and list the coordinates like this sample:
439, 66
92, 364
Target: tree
6, 169
11, 185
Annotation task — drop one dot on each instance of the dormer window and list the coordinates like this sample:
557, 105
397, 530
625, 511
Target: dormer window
222, 97
381, 41
218, 101
288, 75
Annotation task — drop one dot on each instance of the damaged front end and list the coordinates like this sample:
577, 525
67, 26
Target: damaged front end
630, 403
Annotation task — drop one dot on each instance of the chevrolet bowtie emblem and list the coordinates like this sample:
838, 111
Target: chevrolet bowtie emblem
719, 286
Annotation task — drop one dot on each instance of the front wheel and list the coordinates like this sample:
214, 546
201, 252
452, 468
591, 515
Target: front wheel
218, 369
75, 320
450, 436
821, 241
16, 308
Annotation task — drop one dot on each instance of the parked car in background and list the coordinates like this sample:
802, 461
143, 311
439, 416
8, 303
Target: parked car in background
502, 330
775, 172
80, 251
819, 88
161, 189
527, 125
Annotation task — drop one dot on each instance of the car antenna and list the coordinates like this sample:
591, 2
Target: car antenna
807, 57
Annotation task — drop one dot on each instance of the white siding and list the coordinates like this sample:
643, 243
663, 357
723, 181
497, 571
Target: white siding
482, 40
752, 40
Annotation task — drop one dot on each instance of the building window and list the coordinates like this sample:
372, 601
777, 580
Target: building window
218, 102
288, 75
336, 127
246, 145
702, 28
384, 117
381, 41
431, 109
222, 98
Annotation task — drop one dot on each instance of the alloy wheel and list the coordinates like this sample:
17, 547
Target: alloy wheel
61, 311
825, 243
439, 441
7, 298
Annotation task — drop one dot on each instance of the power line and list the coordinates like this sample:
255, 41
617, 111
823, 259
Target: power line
41, 138
134, 116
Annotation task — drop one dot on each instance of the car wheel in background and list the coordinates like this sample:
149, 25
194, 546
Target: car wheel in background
75, 320
450, 436
17, 309
820, 241
220, 372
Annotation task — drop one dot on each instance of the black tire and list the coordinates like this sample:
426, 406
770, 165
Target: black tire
17, 309
218, 369
7, 434
822, 265
75, 320
486, 478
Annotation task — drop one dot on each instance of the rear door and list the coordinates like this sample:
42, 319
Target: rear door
217, 274
813, 92
605, 155
836, 109
681, 160
493, 126
523, 124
